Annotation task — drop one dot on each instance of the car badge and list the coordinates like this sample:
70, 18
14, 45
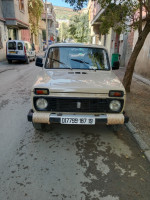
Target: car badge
78, 104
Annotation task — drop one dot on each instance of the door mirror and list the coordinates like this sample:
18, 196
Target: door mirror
116, 65
39, 62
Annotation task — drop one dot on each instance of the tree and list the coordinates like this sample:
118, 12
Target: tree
63, 31
79, 28
120, 15
35, 9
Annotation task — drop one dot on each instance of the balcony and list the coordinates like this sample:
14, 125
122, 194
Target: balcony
15, 16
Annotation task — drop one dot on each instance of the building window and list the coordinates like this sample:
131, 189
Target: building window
21, 5
1, 44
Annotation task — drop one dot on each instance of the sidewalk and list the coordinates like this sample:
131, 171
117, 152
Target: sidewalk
138, 105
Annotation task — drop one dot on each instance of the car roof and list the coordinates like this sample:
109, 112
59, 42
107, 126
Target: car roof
76, 45
17, 41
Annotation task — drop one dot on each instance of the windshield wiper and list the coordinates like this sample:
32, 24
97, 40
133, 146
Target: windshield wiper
81, 61
61, 63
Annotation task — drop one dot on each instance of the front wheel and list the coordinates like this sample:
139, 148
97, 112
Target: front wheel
39, 126
27, 60
115, 128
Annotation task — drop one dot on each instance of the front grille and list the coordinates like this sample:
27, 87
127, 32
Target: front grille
85, 105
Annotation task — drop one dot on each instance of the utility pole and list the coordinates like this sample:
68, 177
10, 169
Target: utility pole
46, 22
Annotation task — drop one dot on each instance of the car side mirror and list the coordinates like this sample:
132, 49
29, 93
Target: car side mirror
39, 62
116, 65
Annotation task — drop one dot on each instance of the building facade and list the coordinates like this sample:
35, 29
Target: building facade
112, 41
51, 22
142, 65
3, 34
15, 13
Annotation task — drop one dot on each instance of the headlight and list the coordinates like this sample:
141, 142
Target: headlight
115, 105
41, 103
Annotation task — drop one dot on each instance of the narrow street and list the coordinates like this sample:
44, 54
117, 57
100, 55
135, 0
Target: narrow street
64, 162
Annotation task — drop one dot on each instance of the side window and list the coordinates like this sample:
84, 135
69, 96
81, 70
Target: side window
20, 46
1, 44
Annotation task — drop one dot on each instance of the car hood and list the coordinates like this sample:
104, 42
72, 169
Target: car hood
85, 81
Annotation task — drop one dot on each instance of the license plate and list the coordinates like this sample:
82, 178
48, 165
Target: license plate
77, 120
13, 52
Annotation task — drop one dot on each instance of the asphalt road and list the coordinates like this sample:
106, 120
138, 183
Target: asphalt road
64, 162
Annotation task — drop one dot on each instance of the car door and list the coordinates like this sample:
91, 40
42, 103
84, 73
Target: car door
20, 48
12, 48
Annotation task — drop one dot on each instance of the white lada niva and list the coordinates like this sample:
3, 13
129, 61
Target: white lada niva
77, 86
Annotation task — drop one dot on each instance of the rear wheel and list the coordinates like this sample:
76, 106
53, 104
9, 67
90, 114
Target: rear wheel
27, 60
34, 58
39, 126
9, 61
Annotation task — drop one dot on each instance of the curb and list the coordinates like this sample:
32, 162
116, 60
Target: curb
139, 140
142, 79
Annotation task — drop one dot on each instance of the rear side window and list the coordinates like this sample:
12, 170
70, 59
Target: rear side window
20, 46
12, 45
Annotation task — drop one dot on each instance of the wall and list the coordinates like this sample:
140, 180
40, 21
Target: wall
142, 65
106, 41
3, 36
22, 15
25, 35
4, 40
129, 46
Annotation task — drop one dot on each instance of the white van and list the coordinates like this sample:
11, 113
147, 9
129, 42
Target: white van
20, 50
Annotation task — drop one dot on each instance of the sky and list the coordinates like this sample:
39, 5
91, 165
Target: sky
59, 3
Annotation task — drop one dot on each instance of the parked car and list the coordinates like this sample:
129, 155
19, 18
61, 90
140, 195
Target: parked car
20, 50
77, 86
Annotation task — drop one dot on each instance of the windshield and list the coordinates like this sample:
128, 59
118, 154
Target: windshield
77, 58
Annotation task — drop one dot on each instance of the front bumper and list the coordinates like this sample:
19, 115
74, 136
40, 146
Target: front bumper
47, 118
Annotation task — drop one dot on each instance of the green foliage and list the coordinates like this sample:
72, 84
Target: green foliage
35, 9
117, 14
79, 28
78, 4
63, 31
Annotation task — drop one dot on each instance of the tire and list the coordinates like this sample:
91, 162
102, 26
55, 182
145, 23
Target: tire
9, 61
114, 128
34, 58
27, 60
39, 126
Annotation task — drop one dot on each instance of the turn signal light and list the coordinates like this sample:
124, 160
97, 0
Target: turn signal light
116, 93
41, 91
